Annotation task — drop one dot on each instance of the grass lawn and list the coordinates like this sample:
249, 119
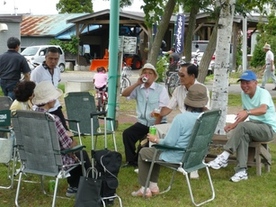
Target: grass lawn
257, 191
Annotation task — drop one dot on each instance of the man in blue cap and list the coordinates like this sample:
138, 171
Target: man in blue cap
258, 106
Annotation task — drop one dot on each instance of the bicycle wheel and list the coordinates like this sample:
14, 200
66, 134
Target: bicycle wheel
173, 83
125, 82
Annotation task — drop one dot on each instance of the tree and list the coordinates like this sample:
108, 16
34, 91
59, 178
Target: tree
220, 85
74, 6
162, 25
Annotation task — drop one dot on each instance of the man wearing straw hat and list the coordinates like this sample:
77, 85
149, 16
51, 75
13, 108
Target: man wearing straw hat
268, 68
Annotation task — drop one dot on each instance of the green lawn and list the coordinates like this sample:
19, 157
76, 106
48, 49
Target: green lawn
256, 191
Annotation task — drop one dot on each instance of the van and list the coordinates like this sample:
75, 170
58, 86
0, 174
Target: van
36, 55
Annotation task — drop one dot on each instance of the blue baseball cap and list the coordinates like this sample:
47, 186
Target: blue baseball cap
248, 75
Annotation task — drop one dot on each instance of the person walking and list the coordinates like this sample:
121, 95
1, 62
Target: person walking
268, 68
12, 65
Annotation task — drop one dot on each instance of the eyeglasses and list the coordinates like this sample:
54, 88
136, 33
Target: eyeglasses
181, 75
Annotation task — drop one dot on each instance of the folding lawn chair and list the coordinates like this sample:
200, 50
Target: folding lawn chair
7, 150
82, 112
194, 155
39, 149
5, 102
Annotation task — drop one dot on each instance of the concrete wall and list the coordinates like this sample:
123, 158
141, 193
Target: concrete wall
31, 41
13, 23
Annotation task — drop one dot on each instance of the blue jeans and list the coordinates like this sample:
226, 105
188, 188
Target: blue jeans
8, 87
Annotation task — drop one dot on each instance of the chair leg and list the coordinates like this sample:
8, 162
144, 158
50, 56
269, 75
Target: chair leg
258, 161
18, 189
191, 191
55, 193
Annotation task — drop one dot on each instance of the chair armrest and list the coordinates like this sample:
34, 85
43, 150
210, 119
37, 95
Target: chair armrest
5, 130
100, 113
166, 147
72, 150
72, 120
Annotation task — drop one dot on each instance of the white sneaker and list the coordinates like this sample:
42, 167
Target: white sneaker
194, 175
136, 170
241, 175
218, 163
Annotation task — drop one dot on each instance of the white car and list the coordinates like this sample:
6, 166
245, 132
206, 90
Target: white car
36, 55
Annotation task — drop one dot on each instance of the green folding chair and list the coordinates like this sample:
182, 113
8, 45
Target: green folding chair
193, 156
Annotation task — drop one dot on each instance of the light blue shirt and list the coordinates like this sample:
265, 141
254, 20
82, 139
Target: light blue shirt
147, 99
178, 136
261, 96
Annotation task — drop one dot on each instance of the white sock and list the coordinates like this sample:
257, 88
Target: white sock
152, 185
142, 189
225, 154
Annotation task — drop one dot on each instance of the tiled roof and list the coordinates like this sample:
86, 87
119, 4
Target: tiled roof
46, 25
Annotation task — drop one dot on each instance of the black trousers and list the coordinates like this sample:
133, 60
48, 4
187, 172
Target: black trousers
131, 135
73, 180
59, 113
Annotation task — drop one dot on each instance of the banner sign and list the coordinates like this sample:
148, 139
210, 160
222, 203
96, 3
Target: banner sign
179, 34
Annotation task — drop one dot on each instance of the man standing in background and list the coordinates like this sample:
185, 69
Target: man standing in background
12, 64
269, 68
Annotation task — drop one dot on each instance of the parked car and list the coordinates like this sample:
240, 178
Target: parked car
36, 55
198, 49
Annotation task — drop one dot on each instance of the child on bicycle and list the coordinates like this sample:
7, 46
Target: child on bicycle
100, 79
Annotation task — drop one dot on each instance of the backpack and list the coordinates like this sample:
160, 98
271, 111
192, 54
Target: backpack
108, 164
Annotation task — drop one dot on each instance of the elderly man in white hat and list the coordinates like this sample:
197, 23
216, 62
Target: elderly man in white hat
178, 135
45, 97
149, 95
269, 68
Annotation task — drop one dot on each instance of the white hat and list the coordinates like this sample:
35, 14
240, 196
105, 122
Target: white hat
45, 92
266, 46
149, 66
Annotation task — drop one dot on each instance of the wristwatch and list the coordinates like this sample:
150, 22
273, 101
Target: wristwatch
248, 112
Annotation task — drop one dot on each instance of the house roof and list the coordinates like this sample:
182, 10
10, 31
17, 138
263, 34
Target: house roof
46, 25
104, 15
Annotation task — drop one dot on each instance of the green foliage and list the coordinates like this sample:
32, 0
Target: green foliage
267, 35
74, 6
161, 68
68, 46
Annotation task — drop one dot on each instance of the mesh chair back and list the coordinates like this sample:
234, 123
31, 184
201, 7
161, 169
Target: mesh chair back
37, 142
200, 140
79, 105
6, 142
5, 102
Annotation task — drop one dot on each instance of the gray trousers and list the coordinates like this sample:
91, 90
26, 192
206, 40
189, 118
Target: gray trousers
147, 153
242, 135
268, 74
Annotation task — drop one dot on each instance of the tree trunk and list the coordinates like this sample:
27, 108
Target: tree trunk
162, 28
207, 56
190, 31
220, 85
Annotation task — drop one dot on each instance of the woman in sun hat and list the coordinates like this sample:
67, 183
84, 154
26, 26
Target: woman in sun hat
45, 96
177, 136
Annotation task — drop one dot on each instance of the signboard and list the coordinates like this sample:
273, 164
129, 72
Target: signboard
128, 45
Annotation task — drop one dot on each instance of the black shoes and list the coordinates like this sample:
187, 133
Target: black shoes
130, 164
274, 89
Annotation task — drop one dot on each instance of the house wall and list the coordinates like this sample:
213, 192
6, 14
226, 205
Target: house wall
31, 41
13, 31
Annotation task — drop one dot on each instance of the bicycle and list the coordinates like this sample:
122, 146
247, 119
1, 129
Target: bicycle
101, 97
125, 82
